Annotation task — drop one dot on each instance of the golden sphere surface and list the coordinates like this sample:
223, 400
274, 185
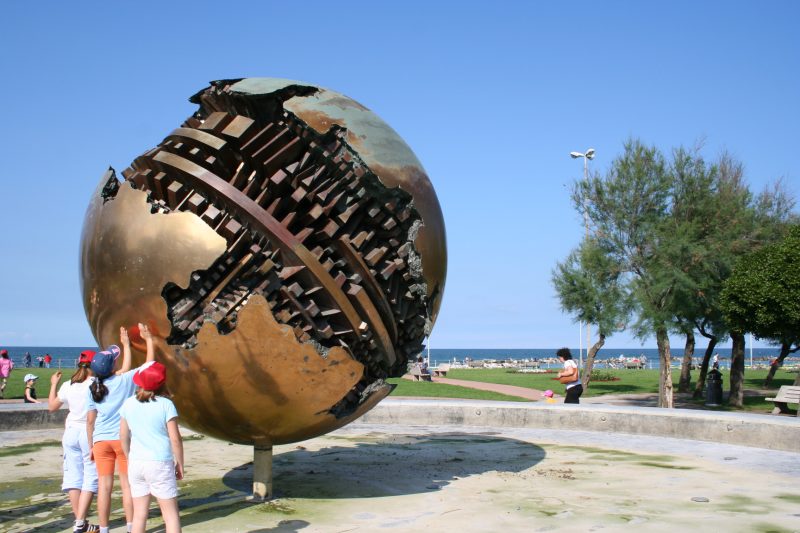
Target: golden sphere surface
285, 247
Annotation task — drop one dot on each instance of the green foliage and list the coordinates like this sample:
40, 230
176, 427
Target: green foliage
589, 286
761, 296
603, 375
666, 234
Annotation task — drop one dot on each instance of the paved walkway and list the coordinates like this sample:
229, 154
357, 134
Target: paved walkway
511, 390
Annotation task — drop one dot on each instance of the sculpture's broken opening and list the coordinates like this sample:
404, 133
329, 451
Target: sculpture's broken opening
308, 225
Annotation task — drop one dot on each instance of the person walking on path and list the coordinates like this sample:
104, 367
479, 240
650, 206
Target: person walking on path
80, 473
570, 376
26, 360
6, 366
152, 443
47, 360
107, 395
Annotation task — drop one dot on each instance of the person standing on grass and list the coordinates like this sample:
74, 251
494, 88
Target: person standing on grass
6, 366
570, 376
107, 395
80, 473
152, 443
30, 388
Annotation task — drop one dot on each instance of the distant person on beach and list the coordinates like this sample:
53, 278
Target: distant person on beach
40, 360
30, 388
152, 443
47, 360
6, 366
80, 473
570, 376
26, 360
106, 396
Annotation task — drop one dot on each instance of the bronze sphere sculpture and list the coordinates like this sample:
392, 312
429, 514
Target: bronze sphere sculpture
287, 250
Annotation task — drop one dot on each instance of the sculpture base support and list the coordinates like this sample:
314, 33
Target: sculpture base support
262, 473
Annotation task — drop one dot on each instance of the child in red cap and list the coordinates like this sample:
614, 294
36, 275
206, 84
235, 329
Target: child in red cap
80, 473
152, 442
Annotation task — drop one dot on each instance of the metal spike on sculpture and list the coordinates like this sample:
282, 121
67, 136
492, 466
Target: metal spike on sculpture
287, 250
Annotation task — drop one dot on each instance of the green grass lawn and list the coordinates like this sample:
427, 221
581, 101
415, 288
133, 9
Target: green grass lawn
16, 387
629, 382
427, 389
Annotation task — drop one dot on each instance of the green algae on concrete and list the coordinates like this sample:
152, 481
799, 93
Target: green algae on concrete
736, 503
7, 451
793, 498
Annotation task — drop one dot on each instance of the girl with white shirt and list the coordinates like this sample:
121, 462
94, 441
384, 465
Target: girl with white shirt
80, 474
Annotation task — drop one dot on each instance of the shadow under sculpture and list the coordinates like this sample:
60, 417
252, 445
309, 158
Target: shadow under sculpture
287, 250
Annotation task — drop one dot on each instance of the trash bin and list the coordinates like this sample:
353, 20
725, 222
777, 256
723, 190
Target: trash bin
714, 388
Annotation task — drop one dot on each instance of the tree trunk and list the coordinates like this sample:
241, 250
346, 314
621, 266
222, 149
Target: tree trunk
775, 365
701, 379
736, 397
685, 382
665, 381
587, 371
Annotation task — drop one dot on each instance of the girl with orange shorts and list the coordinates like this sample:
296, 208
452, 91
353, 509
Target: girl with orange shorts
106, 396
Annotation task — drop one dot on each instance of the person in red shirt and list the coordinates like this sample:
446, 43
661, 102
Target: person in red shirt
47, 360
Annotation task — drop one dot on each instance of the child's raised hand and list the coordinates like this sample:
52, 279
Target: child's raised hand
123, 335
144, 331
55, 378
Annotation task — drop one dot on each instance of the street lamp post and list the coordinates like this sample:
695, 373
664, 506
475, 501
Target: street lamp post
589, 154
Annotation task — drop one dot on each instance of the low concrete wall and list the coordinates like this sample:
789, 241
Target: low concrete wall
23, 416
760, 431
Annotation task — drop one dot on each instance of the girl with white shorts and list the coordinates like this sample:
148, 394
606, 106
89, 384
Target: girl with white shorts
152, 442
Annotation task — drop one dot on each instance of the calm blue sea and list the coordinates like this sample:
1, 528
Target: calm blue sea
761, 356
63, 356
66, 356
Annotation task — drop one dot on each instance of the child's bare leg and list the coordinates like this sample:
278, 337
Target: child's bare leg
169, 512
84, 502
141, 506
127, 501
74, 500
105, 484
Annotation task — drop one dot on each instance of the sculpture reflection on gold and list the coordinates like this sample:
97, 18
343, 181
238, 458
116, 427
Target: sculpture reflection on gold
286, 249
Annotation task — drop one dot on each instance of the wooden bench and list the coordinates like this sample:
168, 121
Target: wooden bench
786, 394
419, 375
441, 370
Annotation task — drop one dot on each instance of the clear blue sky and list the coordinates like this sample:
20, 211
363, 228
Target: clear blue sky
492, 97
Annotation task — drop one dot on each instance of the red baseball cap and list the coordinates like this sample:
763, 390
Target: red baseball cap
150, 376
86, 356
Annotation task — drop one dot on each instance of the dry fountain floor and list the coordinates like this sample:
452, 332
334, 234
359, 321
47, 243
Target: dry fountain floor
371, 477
